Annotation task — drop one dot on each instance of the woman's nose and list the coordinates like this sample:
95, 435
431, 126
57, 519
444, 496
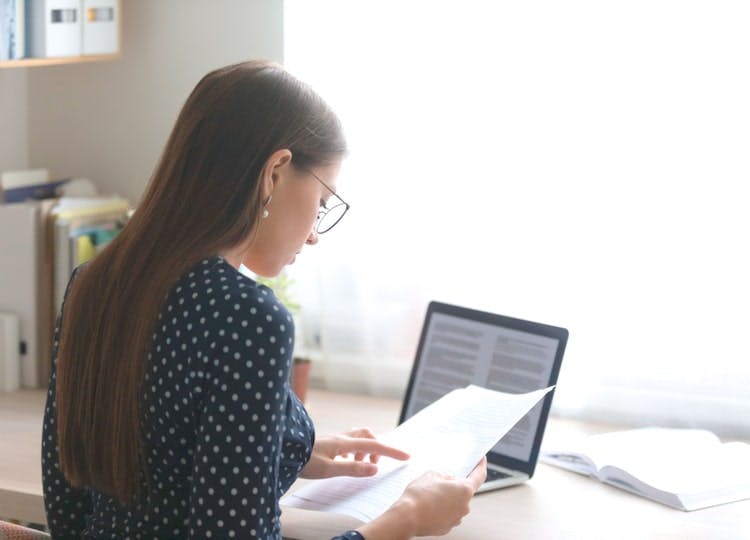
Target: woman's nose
312, 239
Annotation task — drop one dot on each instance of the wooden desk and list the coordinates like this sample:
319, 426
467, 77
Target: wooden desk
555, 504
20, 455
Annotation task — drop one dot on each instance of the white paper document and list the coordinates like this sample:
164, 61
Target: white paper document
450, 436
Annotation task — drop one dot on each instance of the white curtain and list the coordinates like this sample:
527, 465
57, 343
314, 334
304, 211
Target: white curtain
582, 164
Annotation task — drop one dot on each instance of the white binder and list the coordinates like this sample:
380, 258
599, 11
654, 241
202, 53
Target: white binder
100, 27
10, 363
24, 288
54, 28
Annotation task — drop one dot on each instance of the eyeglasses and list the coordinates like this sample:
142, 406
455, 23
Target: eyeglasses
329, 216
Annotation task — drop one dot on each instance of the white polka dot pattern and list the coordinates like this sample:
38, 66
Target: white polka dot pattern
224, 436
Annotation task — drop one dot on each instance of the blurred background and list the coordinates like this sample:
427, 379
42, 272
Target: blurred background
580, 164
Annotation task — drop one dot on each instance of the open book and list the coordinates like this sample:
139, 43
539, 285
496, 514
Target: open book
687, 469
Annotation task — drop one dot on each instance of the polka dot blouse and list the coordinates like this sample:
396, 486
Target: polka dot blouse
224, 434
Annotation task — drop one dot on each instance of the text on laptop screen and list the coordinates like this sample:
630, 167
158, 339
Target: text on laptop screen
458, 352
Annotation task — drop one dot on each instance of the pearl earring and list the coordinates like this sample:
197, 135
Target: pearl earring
266, 213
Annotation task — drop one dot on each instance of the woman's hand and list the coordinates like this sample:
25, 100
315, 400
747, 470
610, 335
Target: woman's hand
439, 502
361, 443
431, 505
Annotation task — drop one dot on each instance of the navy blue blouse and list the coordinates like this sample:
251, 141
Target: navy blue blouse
225, 436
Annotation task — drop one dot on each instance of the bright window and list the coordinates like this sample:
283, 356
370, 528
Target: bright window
583, 164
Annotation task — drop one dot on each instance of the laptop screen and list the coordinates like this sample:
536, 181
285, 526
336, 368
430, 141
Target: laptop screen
460, 346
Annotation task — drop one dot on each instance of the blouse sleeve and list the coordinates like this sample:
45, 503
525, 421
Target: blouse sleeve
66, 507
242, 382
299, 438
350, 535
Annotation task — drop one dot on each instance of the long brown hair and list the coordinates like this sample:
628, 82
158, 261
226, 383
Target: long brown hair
204, 197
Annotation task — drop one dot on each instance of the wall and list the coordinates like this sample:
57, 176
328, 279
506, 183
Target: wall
14, 150
108, 121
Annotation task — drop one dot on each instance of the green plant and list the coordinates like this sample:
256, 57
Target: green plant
281, 286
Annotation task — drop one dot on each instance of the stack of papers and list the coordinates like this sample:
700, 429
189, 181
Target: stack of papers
450, 436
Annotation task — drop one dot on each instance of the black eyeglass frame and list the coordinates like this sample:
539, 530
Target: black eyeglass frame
325, 209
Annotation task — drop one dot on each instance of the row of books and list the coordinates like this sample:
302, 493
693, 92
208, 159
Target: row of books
42, 242
54, 28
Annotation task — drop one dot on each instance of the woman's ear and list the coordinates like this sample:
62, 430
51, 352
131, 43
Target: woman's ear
275, 167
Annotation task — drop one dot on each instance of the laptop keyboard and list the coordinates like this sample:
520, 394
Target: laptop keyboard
493, 474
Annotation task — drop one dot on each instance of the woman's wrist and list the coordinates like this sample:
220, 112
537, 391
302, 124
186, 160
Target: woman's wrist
396, 523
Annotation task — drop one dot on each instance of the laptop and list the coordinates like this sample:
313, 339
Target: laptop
461, 346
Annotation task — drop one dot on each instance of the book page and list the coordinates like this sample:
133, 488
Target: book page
675, 461
681, 461
631, 449
450, 436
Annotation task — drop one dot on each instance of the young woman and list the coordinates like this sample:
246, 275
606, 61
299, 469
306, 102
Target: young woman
169, 413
